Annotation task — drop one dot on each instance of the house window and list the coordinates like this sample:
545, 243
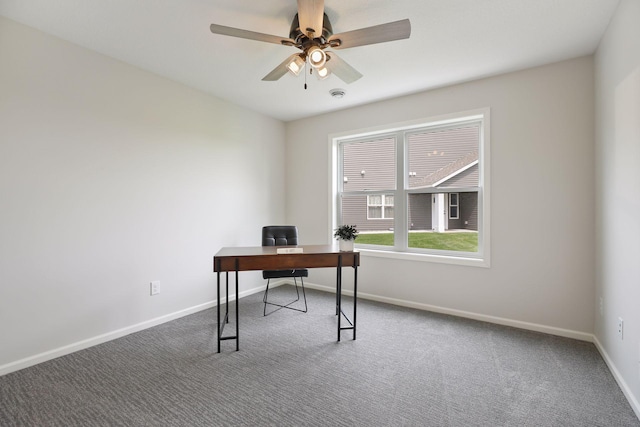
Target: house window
380, 206
417, 189
453, 205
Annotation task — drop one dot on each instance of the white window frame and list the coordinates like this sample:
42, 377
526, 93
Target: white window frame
400, 250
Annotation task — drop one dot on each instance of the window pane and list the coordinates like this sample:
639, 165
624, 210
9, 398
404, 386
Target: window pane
453, 212
431, 228
375, 212
374, 229
375, 200
369, 165
444, 157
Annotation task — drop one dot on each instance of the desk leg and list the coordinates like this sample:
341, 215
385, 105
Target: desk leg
339, 292
237, 309
355, 297
223, 322
218, 304
352, 322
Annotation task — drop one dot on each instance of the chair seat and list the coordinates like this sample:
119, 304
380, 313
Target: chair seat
277, 274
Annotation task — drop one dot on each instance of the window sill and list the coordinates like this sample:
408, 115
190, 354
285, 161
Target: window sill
409, 256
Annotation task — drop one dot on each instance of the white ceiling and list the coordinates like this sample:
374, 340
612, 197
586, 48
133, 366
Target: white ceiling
451, 41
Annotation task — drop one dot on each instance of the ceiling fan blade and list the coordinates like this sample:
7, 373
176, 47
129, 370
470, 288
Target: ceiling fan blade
371, 35
340, 68
311, 16
251, 35
280, 70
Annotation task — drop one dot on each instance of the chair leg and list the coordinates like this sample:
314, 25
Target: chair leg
280, 306
264, 298
303, 294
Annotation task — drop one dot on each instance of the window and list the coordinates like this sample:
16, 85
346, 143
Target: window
418, 189
380, 206
453, 205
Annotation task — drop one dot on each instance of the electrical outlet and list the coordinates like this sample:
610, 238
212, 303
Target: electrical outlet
620, 328
155, 287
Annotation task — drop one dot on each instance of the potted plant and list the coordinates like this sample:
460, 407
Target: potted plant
346, 235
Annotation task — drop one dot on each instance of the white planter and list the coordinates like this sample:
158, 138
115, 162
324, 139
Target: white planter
346, 245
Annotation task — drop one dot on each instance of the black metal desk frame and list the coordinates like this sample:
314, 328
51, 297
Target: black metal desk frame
266, 258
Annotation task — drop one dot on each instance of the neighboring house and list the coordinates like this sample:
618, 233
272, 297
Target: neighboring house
446, 210
445, 160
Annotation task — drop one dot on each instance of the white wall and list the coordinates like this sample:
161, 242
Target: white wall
111, 177
617, 66
542, 200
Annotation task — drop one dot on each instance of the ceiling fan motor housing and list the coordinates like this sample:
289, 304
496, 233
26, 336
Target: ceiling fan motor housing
301, 38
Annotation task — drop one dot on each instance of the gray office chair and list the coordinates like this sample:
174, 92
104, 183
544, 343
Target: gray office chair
282, 235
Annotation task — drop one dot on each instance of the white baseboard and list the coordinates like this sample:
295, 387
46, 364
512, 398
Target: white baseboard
633, 401
582, 336
90, 342
61, 351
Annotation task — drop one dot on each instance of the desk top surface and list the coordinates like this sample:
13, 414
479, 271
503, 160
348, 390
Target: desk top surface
272, 250
266, 257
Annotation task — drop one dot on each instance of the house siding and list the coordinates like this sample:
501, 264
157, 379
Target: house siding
377, 159
354, 212
420, 212
468, 213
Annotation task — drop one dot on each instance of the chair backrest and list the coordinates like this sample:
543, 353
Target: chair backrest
279, 235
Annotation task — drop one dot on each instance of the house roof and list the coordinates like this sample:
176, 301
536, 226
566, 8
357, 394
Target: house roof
447, 172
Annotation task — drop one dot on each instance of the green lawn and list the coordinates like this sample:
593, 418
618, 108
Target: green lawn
466, 242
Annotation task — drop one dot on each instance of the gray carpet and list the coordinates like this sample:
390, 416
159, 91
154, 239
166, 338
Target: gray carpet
407, 367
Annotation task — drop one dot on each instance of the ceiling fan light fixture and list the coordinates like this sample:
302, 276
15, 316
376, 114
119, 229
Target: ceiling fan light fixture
323, 73
296, 65
317, 57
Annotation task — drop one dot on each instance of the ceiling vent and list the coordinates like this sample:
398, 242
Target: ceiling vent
337, 93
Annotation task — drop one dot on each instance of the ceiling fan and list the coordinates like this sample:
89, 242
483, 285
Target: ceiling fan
311, 32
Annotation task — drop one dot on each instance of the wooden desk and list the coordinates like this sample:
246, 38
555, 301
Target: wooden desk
266, 258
